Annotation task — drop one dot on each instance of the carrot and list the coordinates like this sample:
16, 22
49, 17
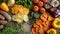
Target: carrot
33, 31
40, 21
41, 31
44, 24
35, 25
43, 18
46, 15
37, 29
50, 18
48, 23
37, 22
46, 28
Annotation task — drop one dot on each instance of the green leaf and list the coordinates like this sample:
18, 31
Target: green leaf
26, 3
36, 15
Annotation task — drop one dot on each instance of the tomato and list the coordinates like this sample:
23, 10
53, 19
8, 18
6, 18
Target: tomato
40, 3
42, 10
35, 8
44, 0
35, 1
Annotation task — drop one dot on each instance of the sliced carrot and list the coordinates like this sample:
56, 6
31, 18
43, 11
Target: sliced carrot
46, 15
40, 21
37, 22
37, 29
50, 18
43, 18
46, 28
35, 25
41, 31
33, 31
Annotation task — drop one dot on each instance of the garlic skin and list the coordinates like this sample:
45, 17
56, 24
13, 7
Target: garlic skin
10, 2
49, 1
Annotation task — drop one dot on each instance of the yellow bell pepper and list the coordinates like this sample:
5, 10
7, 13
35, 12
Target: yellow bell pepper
52, 31
4, 7
56, 23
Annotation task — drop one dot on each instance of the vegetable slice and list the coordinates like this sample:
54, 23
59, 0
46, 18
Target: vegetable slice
52, 31
56, 23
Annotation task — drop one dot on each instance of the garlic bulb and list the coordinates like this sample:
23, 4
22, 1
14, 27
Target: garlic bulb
49, 1
11, 2
55, 3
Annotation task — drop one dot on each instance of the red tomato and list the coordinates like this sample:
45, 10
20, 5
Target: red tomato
35, 1
42, 10
35, 8
40, 3
44, 0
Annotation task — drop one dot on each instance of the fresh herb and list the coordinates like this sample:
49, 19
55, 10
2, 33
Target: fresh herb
33, 16
36, 15
26, 3
12, 28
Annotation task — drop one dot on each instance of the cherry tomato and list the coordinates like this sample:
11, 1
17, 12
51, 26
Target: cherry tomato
35, 8
40, 3
44, 0
35, 1
42, 10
